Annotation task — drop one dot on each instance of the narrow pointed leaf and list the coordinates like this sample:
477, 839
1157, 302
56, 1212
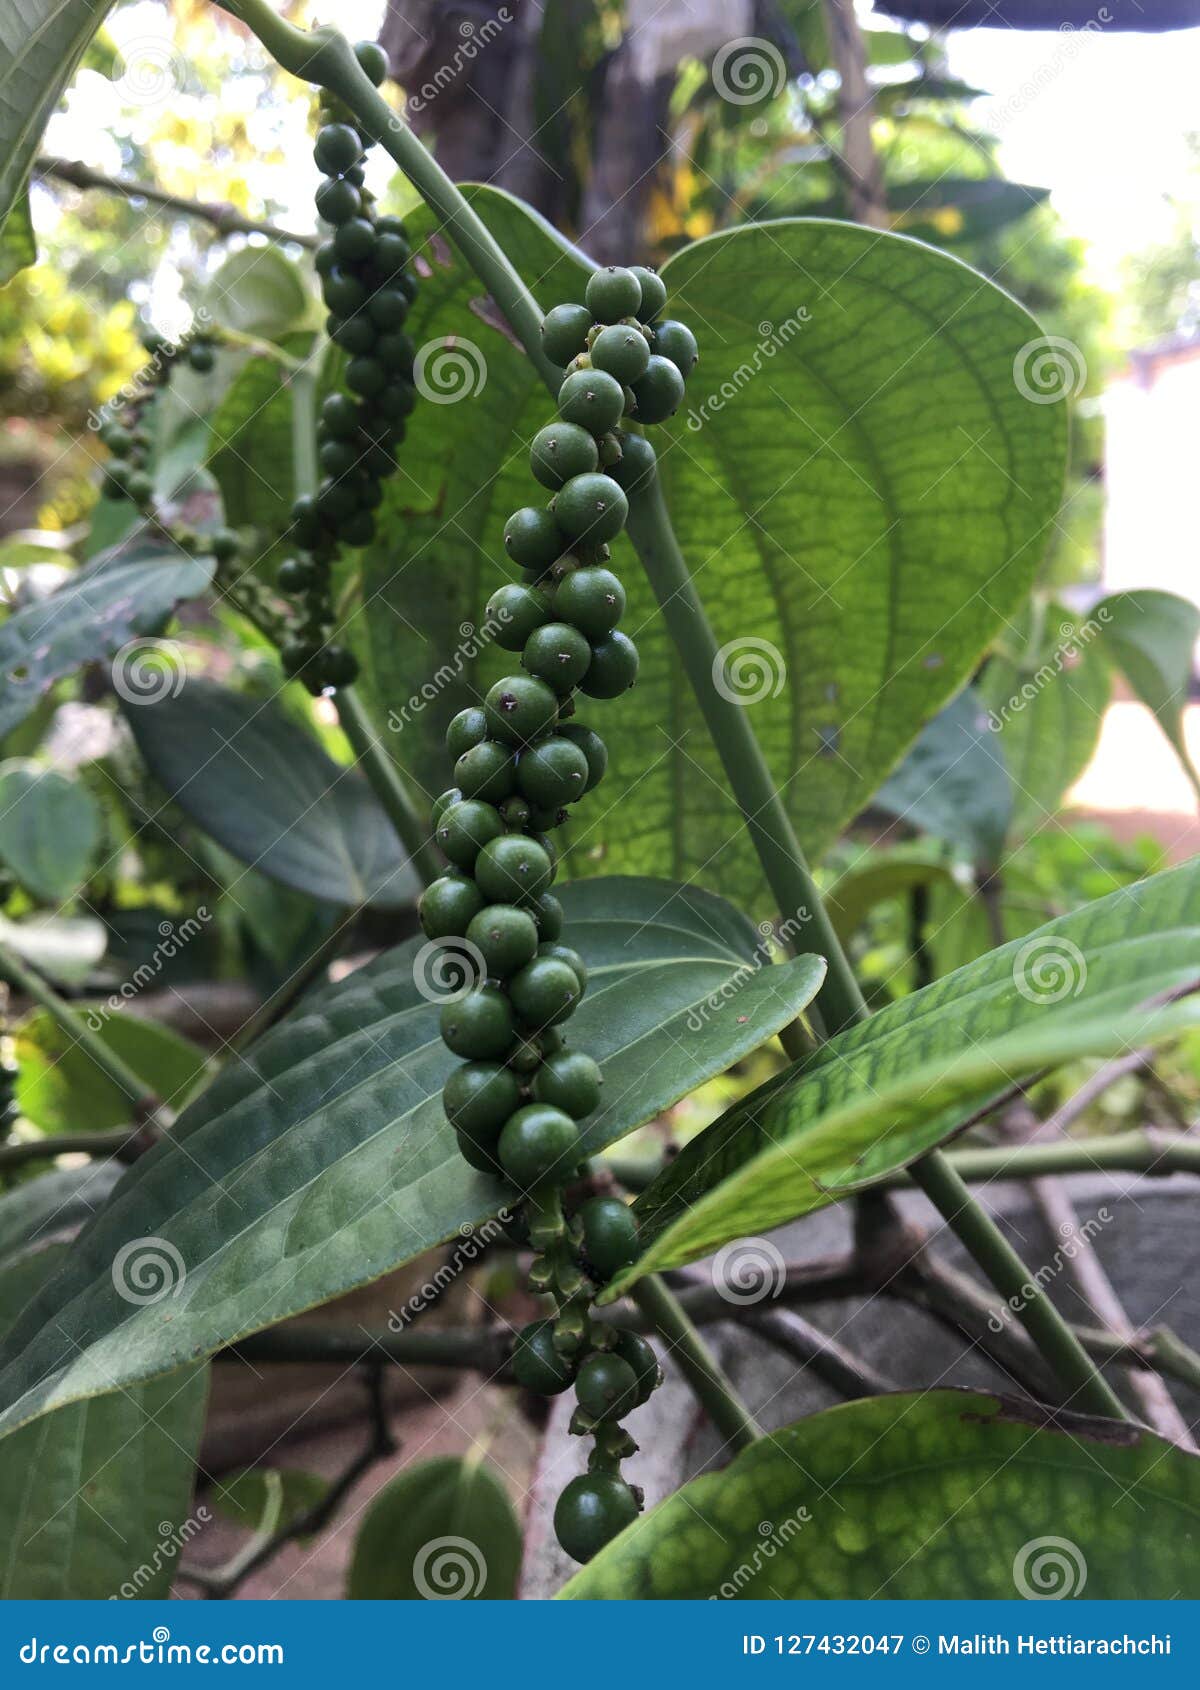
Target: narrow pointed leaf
873, 1099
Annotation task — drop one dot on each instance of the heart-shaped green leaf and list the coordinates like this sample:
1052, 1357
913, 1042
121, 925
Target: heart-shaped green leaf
1045, 691
954, 782
323, 1159
1151, 637
881, 1094
49, 828
945, 1494
858, 485
442, 1531
250, 776
94, 614
41, 42
92, 1498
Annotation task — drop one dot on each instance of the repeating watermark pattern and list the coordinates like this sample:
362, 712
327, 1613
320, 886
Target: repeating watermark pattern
172, 937
472, 641
148, 70
171, 1539
1074, 637
747, 670
772, 340
769, 937
1049, 369
450, 369
445, 970
1048, 969
1047, 1569
747, 1271
147, 1270
748, 71
473, 38
1073, 1240
472, 1242
449, 1569
147, 671
772, 1539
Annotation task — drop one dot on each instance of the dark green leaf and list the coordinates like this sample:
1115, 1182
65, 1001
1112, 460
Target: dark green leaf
1046, 691
41, 42
442, 1531
946, 1494
247, 774
49, 828
1151, 637
98, 611
875, 1098
59, 1090
93, 1497
323, 1159
954, 783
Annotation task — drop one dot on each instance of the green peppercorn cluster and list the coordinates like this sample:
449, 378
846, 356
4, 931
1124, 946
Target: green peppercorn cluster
127, 472
368, 286
517, 1101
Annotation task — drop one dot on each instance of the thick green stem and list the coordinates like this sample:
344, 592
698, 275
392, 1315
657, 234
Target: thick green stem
143, 1104
24, 1150
328, 59
388, 786
1029, 1303
729, 1414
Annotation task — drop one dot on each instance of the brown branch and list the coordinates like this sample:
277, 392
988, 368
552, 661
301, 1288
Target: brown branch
224, 218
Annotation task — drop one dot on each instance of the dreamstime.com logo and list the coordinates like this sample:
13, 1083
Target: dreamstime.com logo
1049, 369
1067, 655
156, 1650
748, 71
147, 671
773, 337
1049, 969
450, 1569
1072, 1241
450, 369
1048, 1569
769, 937
773, 1539
172, 937
472, 1242
748, 1271
473, 38
148, 1270
748, 670
171, 1539
472, 641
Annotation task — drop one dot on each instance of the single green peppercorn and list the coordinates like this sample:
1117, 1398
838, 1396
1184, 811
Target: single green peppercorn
505, 937
465, 730
591, 1511
564, 332
536, 1364
448, 906
487, 771
570, 1081
677, 342
636, 465
610, 1240
552, 773
544, 992
592, 746
366, 376
591, 508
511, 869
621, 352
606, 1386
354, 241
657, 394
337, 148
592, 400
633, 1348
514, 611
560, 451
614, 666
538, 1144
557, 654
612, 294
654, 292
467, 828
533, 538
478, 1099
373, 60
338, 201
548, 913
572, 958
479, 1025
592, 600
519, 709
443, 802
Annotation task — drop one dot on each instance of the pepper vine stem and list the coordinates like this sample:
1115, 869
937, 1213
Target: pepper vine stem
389, 788
144, 1105
729, 1414
327, 58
